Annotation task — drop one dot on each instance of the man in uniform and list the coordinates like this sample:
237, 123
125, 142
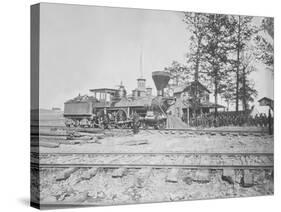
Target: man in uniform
136, 121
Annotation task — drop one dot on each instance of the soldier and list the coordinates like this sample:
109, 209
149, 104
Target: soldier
204, 119
210, 120
136, 121
95, 121
270, 124
184, 117
255, 120
265, 120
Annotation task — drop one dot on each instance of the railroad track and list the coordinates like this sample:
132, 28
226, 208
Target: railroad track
151, 153
74, 165
163, 166
155, 160
174, 165
169, 131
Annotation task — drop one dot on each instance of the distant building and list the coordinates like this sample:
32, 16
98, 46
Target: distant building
264, 105
141, 90
149, 91
265, 101
56, 109
184, 109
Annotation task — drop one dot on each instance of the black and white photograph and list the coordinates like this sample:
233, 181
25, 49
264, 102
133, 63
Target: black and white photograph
134, 106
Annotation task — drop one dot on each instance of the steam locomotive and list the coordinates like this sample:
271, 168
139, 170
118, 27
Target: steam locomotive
113, 108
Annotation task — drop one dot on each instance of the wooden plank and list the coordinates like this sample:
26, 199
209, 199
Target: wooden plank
172, 176
49, 144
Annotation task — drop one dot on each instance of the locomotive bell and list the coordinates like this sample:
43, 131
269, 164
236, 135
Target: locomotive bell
161, 79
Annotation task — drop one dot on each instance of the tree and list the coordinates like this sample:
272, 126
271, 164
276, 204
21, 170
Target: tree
215, 49
228, 90
179, 75
197, 23
268, 26
264, 43
246, 91
216, 53
242, 34
178, 72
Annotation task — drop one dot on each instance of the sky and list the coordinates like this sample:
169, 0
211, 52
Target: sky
86, 47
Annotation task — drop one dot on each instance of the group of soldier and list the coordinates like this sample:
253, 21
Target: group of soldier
231, 119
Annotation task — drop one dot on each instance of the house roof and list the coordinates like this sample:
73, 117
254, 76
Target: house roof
268, 102
182, 88
265, 98
104, 90
206, 105
211, 105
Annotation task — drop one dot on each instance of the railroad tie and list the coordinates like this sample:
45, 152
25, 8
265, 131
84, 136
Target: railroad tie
257, 134
49, 144
89, 173
228, 175
65, 174
202, 176
118, 173
142, 176
247, 179
172, 176
245, 134
77, 198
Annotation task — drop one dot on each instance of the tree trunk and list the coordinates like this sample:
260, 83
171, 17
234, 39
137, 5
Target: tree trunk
238, 64
216, 95
196, 74
244, 90
227, 101
216, 98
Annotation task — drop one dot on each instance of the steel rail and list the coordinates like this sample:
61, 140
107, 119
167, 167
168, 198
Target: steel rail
136, 166
71, 204
168, 129
157, 153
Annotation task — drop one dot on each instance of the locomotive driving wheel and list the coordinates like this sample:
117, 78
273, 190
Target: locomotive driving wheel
161, 124
102, 119
121, 116
143, 125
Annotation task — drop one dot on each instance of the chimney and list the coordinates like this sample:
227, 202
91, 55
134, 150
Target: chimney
148, 91
161, 79
141, 84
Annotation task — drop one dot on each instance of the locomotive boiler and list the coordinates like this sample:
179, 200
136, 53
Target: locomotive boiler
113, 108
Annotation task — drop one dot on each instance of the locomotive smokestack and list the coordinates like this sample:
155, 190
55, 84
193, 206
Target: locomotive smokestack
161, 79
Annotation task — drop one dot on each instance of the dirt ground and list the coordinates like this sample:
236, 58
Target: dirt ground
107, 186
155, 141
148, 185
